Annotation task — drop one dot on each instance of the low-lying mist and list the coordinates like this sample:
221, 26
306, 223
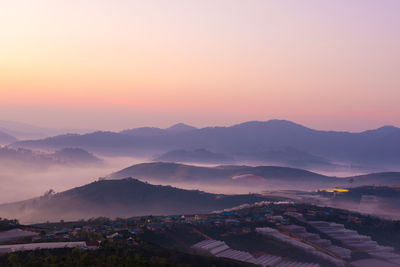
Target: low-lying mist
20, 183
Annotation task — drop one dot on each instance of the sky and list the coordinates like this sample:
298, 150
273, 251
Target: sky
121, 64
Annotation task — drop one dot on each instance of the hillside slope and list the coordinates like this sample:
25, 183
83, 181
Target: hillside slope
260, 177
120, 198
6, 138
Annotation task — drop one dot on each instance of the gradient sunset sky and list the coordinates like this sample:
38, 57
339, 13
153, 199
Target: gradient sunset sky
121, 64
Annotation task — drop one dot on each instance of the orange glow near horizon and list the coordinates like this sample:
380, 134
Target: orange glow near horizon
331, 65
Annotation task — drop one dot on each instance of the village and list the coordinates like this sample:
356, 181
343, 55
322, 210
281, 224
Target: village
265, 234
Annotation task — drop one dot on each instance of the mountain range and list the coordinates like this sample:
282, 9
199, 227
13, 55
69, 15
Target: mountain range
194, 156
28, 159
174, 129
28, 131
256, 178
276, 141
120, 198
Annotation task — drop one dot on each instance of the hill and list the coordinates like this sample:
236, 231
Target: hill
120, 198
6, 138
260, 177
378, 148
224, 177
180, 128
382, 178
74, 156
26, 158
195, 156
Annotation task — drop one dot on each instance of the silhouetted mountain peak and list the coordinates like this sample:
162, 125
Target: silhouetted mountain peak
143, 131
387, 129
378, 148
276, 124
180, 127
75, 155
151, 131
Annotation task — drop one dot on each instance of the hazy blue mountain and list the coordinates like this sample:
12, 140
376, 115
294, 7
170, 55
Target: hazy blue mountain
26, 158
74, 156
144, 131
165, 171
197, 156
149, 131
287, 157
28, 131
120, 198
6, 138
266, 176
180, 128
378, 148
253, 178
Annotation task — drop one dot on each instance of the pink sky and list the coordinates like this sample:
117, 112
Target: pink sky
121, 64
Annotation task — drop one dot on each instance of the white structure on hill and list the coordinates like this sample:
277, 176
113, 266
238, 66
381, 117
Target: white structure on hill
315, 239
271, 232
354, 240
221, 249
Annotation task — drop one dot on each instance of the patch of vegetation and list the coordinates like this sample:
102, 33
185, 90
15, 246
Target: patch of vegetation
6, 224
112, 255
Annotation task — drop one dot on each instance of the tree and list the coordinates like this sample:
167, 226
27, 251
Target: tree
14, 260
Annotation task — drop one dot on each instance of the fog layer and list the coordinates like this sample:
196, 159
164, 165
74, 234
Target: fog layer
23, 183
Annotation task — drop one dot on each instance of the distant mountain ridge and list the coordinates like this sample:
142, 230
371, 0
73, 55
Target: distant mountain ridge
287, 157
259, 177
378, 148
166, 170
28, 131
228, 176
6, 138
180, 128
120, 198
195, 156
27, 159
174, 129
